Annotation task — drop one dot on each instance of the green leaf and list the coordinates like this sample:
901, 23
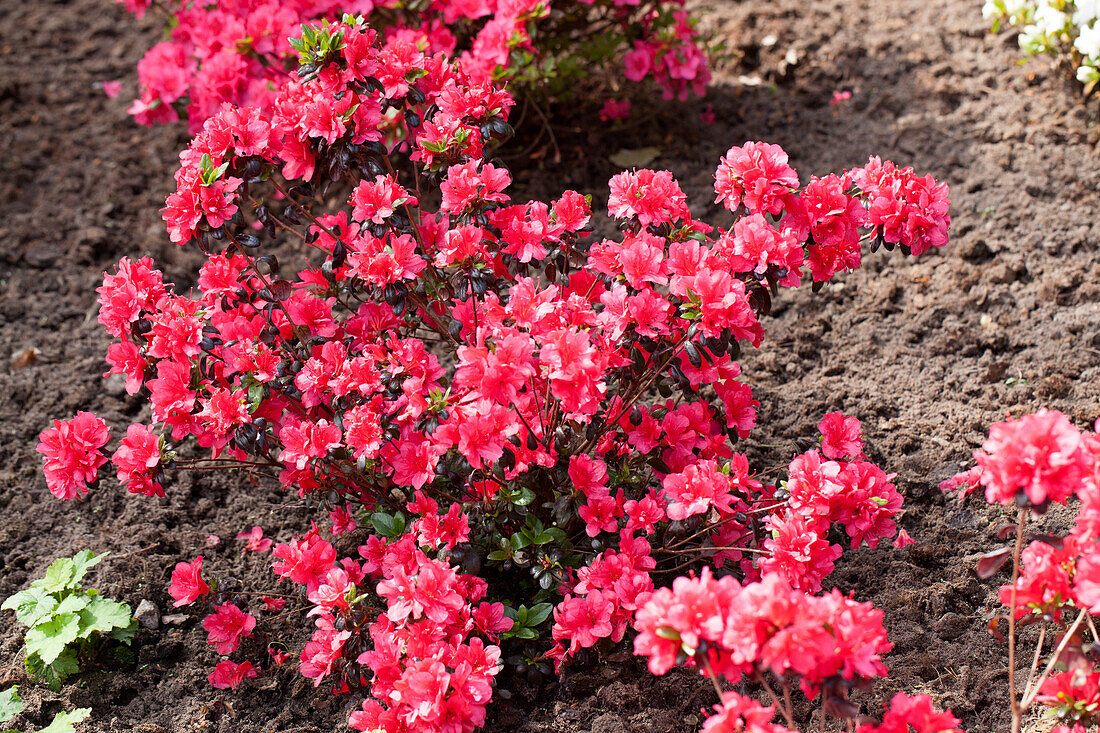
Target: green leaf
635, 158
31, 606
389, 525
10, 704
125, 634
59, 576
65, 665
102, 615
48, 639
538, 613
72, 604
84, 561
383, 524
522, 496
66, 722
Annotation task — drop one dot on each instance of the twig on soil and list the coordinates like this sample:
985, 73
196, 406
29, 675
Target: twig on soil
138, 551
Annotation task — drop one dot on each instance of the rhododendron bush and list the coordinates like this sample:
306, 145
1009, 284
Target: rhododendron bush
528, 427
241, 51
1029, 464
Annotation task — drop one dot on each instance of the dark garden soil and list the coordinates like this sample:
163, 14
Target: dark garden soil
927, 352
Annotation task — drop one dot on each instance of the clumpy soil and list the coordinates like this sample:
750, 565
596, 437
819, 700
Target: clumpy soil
926, 351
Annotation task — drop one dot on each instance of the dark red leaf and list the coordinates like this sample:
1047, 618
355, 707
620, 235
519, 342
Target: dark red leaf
1051, 539
991, 562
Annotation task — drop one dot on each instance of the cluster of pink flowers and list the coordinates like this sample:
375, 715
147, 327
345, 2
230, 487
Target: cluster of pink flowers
894, 204
835, 485
239, 51
731, 629
829, 643
1037, 459
74, 454
1029, 463
488, 366
428, 659
433, 670
74, 451
429, 664
672, 53
854, 493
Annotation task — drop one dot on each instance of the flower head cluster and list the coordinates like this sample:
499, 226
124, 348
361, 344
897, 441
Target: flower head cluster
905, 208
1034, 460
739, 714
855, 493
730, 629
829, 644
427, 655
913, 714
827, 214
670, 51
73, 454
239, 53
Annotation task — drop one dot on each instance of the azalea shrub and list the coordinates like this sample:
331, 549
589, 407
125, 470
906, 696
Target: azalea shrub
1065, 29
525, 428
1027, 465
241, 51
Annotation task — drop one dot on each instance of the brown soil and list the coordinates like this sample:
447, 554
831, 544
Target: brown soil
927, 352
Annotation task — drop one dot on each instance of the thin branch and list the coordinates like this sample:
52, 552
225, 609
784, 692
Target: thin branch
1021, 519
1030, 697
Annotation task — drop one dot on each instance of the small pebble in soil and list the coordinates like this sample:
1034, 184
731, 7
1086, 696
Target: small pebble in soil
42, 255
951, 626
148, 615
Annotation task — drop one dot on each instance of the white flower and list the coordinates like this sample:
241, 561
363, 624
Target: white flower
1088, 43
1032, 39
1049, 20
1087, 74
1086, 12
